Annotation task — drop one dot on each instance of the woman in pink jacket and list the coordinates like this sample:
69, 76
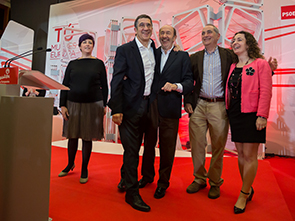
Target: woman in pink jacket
248, 96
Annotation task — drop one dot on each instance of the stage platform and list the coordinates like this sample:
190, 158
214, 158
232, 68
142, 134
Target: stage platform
99, 199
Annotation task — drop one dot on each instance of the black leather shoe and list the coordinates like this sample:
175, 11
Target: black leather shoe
143, 182
122, 186
137, 203
160, 192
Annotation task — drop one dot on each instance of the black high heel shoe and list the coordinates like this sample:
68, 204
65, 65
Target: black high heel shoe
239, 210
251, 194
64, 173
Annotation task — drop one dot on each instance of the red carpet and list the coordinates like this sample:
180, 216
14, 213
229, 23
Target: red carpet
283, 169
100, 200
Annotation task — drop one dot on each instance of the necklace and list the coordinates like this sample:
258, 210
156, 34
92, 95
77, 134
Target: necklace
234, 91
247, 62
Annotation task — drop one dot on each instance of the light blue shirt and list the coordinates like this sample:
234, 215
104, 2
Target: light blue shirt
212, 79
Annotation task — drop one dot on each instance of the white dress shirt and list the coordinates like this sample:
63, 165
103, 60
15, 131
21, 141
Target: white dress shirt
164, 58
148, 60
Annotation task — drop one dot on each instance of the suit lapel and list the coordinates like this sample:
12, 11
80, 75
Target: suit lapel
137, 54
172, 56
158, 60
201, 65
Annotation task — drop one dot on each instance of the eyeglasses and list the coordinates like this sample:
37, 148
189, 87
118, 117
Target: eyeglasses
208, 32
142, 25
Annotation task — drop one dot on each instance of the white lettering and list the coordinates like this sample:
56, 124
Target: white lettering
288, 14
4, 76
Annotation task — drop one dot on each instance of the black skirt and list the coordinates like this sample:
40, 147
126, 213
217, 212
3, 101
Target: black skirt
243, 125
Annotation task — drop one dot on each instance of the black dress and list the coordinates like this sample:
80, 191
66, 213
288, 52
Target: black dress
242, 125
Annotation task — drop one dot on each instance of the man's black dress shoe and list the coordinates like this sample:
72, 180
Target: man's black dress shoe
122, 186
137, 203
143, 182
160, 192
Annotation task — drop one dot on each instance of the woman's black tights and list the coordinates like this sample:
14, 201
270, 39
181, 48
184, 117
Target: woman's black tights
86, 152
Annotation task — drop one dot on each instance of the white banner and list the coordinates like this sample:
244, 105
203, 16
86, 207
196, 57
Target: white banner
68, 20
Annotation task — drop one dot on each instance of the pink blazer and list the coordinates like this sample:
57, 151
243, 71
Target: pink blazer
256, 87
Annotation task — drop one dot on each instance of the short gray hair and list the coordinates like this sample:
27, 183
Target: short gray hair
214, 28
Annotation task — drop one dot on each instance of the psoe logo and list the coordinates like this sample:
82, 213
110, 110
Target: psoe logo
288, 12
6, 75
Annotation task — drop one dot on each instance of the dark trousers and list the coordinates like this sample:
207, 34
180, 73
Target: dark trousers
168, 128
131, 134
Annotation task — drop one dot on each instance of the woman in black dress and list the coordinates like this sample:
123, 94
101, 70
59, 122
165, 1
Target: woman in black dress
248, 96
84, 104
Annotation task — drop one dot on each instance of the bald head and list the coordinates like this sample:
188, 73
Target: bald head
169, 27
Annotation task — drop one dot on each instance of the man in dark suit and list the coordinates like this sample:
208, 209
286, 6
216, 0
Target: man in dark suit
130, 93
173, 78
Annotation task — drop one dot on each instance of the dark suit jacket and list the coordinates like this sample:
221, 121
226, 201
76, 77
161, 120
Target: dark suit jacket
176, 70
226, 58
128, 83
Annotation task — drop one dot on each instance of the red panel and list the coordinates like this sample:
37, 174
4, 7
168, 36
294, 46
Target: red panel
9, 75
288, 12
